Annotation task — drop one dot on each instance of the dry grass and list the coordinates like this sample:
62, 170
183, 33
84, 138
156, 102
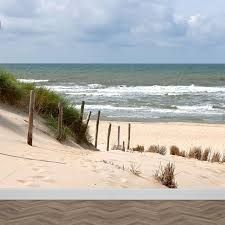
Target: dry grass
195, 153
216, 157
174, 150
135, 169
223, 159
139, 148
182, 154
206, 154
157, 149
166, 176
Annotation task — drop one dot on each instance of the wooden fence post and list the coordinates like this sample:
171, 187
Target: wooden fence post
82, 112
81, 121
123, 146
128, 142
96, 132
88, 119
108, 138
118, 143
31, 118
60, 122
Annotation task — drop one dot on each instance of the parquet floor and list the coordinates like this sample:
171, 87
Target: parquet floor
50, 212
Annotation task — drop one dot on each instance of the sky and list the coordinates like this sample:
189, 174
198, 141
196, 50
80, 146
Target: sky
112, 31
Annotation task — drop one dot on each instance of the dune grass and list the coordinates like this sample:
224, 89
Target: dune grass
157, 149
16, 93
195, 153
216, 157
166, 175
139, 148
174, 150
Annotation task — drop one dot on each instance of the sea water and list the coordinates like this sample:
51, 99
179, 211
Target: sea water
136, 92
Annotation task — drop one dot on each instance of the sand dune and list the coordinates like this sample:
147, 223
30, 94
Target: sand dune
49, 164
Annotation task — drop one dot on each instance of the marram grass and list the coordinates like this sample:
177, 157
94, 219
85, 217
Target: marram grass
16, 93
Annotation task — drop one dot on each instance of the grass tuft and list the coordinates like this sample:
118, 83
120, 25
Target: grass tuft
174, 150
216, 157
139, 148
157, 149
206, 154
166, 176
135, 169
195, 153
223, 159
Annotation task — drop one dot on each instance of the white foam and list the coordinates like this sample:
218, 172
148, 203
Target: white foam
198, 110
101, 90
32, 81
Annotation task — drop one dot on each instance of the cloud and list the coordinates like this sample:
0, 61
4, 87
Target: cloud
113, 23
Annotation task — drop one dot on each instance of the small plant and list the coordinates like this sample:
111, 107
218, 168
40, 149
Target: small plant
157, 149
139, 148
182, 154
135, 169
195, 153
205, 154
216, 157
166, 176
174, 150
223, 159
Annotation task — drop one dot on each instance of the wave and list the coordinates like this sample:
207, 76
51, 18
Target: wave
32, 81
123, 90
197, 109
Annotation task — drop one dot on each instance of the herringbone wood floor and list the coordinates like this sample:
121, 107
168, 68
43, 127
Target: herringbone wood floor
112, 212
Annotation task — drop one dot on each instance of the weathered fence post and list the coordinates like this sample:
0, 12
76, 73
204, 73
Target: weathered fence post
82, 112
60, 122
81, 120
123, 146
108, 138
118, 143
88, 119
128, 142
96, 132
31, 118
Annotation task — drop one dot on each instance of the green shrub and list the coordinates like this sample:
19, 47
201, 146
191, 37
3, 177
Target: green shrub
46, 105
10, 90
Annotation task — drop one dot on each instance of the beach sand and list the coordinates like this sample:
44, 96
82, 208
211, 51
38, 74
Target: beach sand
183, 135
49, 164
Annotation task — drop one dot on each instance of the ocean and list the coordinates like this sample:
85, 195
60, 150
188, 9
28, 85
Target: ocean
136, 92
